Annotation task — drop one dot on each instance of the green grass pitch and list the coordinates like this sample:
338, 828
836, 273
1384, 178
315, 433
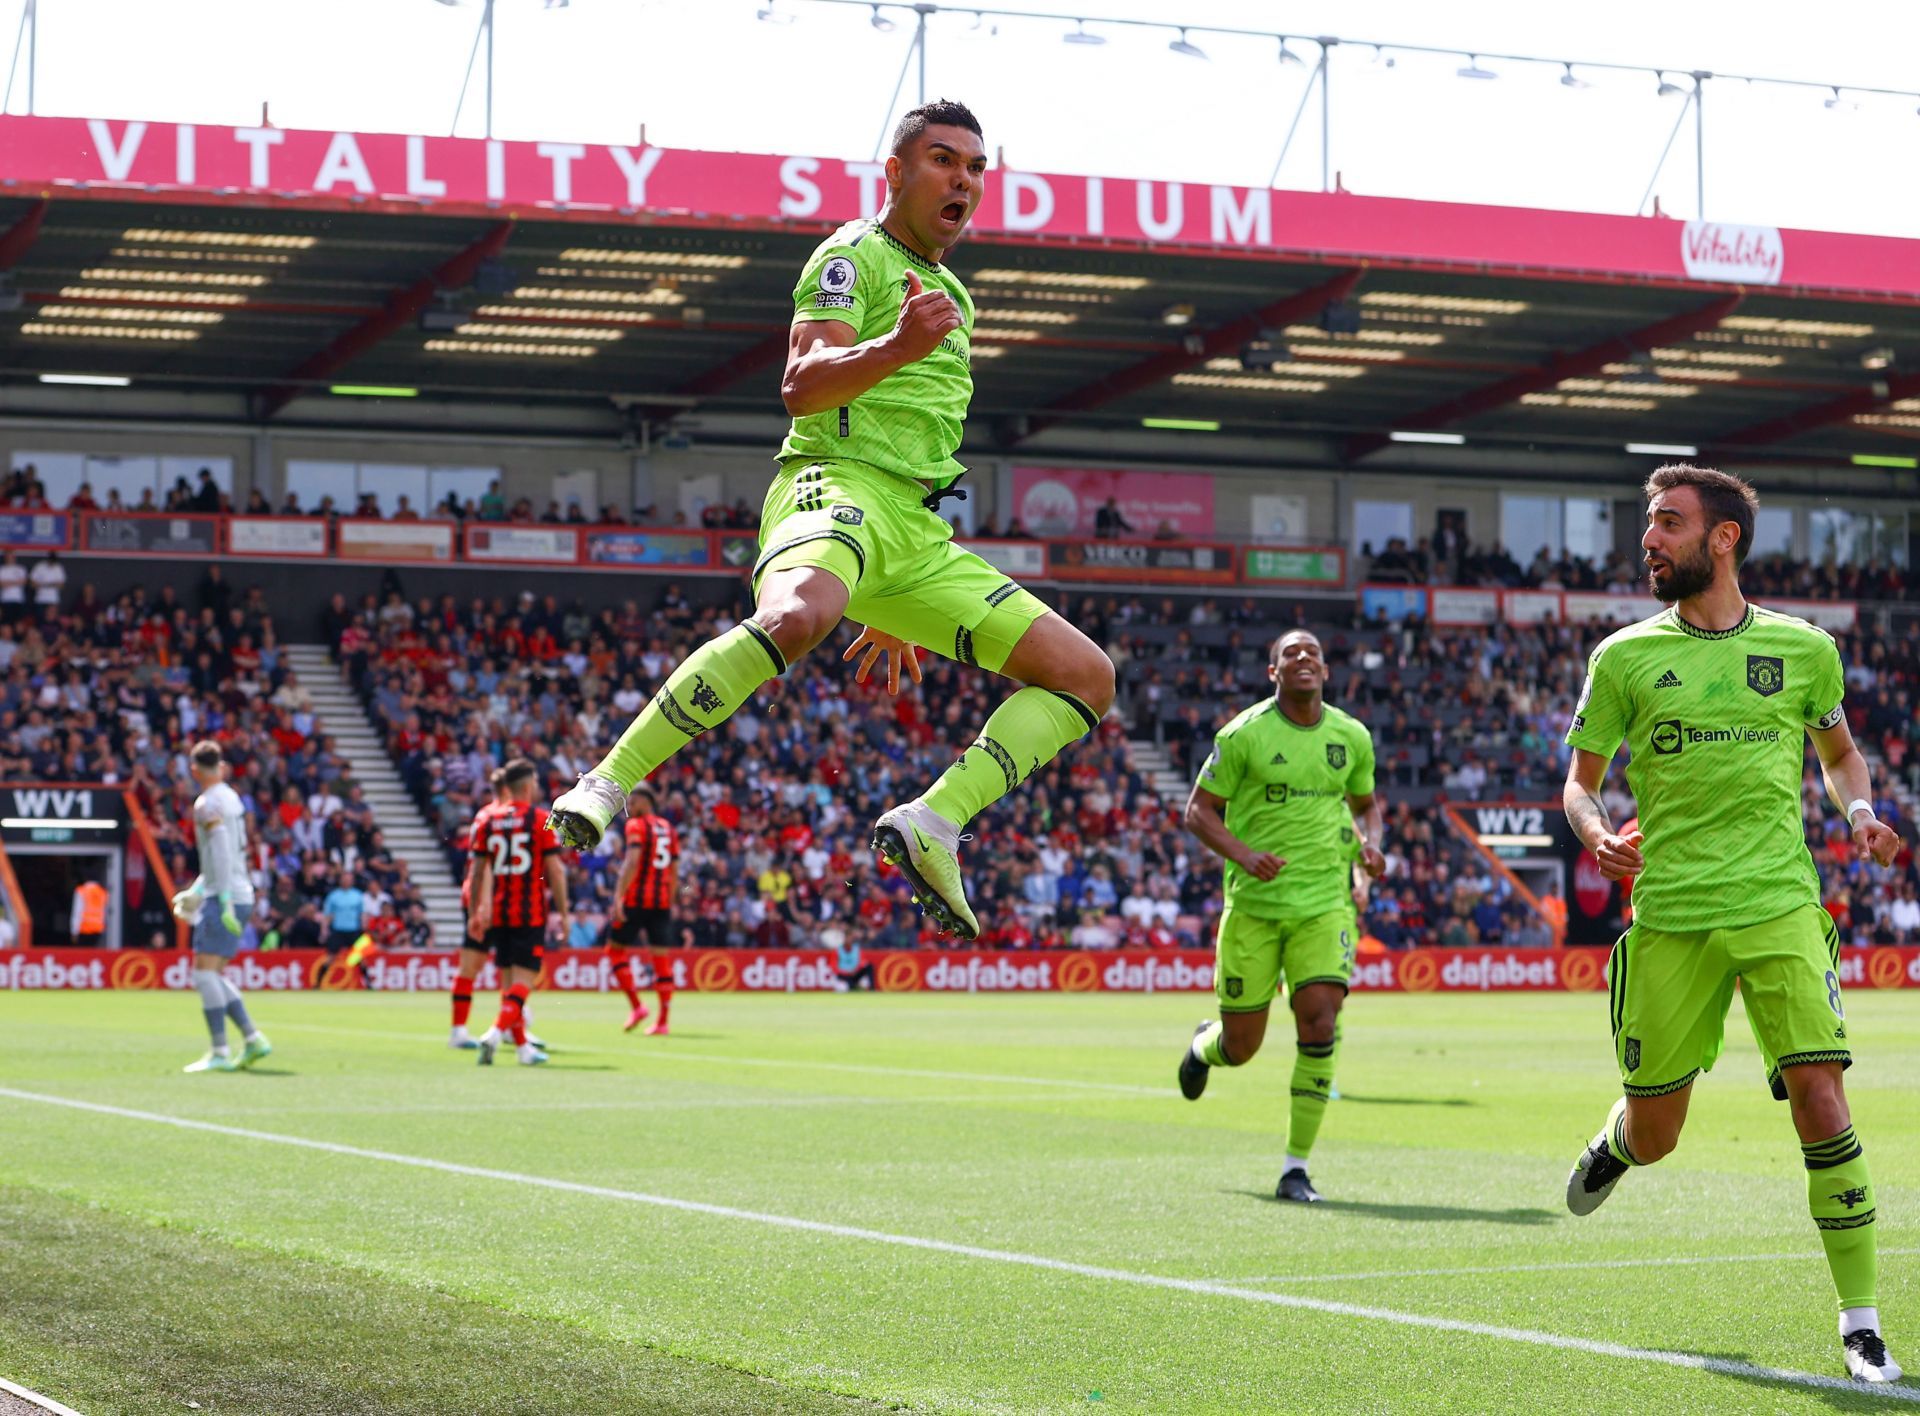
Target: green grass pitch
921, 1203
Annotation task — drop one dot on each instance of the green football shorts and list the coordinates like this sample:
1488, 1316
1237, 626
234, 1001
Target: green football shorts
1250, 953
1670, 994
903, 573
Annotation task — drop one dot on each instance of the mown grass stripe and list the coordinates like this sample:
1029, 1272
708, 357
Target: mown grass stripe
1693, 1361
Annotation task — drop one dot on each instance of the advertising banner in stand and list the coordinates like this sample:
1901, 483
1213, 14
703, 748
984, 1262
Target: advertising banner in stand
1466, 606
35, 530
1065, 501
1169, 562
150, 534
1393, 602
277, 536
1307, 565
903, 971
1024, 560
691, 550
396, 540
546, 545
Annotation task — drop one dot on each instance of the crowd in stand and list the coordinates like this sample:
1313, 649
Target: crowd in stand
117, 692
775, 807
1444, 560
22, 490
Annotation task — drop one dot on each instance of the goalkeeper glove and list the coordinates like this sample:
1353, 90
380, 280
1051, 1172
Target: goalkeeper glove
229, 921
186, 904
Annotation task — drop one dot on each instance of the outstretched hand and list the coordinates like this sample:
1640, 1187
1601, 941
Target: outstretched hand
876, 642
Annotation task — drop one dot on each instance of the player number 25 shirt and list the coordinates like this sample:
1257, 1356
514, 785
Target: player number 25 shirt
909, 423
1715, 723
515, 842
1286, 789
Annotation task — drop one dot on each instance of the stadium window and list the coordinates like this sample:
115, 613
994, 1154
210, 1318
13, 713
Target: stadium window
1377, 522
1588, 524
1528, 523
1855, 537
464, 484
1773, 532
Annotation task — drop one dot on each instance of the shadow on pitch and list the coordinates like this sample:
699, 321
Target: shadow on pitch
1416, 1214
1407, 1100
1859, 1398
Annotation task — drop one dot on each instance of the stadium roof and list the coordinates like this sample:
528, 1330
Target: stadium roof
1362, 317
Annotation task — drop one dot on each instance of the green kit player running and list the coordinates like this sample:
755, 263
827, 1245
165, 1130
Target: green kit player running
878, 382
1286, 799
1711, 698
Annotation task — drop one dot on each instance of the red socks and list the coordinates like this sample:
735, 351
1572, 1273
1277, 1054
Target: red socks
513, 1019
663, 990
623, 975
462, 1001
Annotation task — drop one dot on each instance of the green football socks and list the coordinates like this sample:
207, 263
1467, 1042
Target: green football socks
1616, 1133
1840, 1196
701, 694
1312, 1090
1024, 734
1206, 1045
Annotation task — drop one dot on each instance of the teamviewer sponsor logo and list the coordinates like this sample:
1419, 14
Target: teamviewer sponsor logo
1667, 737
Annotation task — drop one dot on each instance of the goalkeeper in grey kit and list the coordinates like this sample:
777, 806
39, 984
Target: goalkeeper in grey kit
216, 904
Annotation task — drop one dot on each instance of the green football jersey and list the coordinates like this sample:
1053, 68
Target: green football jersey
1715, 722
910, 422
1286, 789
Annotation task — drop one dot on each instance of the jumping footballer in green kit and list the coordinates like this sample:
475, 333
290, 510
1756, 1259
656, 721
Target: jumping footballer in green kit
1713, 699
878, 382
1286, 799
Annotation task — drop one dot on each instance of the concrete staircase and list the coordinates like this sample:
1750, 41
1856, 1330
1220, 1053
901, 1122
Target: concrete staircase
407, 835
1157, 768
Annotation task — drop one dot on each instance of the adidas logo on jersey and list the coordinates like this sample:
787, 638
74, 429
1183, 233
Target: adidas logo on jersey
1279, 759
1668, 680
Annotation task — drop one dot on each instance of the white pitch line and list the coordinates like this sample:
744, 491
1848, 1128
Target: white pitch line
33, 1398
1573, 1267
670, 1053
696, 1104
1721, 1366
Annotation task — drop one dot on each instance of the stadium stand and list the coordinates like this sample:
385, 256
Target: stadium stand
775, 809
116, 691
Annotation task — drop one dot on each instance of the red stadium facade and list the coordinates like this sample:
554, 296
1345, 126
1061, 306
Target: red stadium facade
472, 176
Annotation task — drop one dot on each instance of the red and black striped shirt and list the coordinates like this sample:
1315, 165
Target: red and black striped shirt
659, 847
515, 842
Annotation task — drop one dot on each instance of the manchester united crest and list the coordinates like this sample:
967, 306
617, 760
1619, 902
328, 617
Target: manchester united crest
1766, 675
1336, 755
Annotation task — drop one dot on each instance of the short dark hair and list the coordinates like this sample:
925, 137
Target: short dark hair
206, 753
1273, 649
646, 791
518, 771
1723, 497
942, 112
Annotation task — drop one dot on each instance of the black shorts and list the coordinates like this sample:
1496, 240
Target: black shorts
518, 946
656, 925
341, 939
